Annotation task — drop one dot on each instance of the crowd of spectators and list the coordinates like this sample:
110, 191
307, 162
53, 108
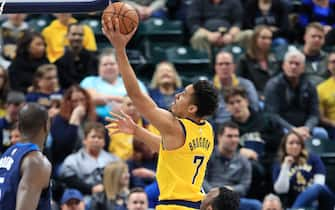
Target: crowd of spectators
275, 97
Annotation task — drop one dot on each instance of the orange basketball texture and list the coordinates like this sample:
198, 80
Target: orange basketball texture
127, 15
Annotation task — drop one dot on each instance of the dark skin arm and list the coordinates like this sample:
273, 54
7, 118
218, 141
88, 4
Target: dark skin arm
35, 176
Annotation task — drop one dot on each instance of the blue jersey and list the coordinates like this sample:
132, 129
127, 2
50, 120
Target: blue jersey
10, 164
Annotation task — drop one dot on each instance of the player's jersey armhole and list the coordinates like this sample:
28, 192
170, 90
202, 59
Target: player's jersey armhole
184, 132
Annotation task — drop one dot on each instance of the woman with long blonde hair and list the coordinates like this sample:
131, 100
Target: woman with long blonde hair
300, 175
116, 188
165, 84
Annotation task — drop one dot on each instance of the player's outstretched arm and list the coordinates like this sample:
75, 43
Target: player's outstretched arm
163, 120
123, 123
35, 176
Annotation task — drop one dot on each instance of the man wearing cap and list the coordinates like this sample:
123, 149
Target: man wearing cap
14, 102
72, 199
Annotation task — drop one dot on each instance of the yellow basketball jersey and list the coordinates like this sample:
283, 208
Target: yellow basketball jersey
180, 172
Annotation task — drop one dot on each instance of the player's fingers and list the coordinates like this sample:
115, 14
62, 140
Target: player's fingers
111, 120
116, 115
116, 25
114, 132
125, 115
112, 126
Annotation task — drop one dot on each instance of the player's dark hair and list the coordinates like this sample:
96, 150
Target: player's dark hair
205, 97
32, 118
227, 124
227, 199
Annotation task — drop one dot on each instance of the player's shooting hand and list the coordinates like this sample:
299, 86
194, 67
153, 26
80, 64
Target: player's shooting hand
111, 30
120, 123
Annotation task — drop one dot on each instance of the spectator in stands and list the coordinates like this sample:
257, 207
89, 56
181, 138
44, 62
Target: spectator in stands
142, 165
300, 175
11, 31
258, 64
260, 138
214, 23
225, 78
316, 58
45, 85
221, 199
77, 62
4, 89
115, 188
326, 93
72, 199
322, 11
227, 168
121, 144
107, 90
83, 170
272, 202
292, 97
14, 102
14, 134
165, 84
55, 36
137, 199
272, 13
66, 131
148, 8
30, 54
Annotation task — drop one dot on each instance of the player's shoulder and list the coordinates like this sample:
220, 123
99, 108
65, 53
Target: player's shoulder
35, 161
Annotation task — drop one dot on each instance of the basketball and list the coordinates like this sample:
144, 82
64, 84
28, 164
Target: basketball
127, 15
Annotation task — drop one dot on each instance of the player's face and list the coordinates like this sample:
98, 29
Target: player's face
237, 106
94, 141
206, 203
271, 205
229, 139
182, 105
137, 201
108, 68
293, 145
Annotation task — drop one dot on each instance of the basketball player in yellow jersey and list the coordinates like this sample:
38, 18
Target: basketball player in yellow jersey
186, 141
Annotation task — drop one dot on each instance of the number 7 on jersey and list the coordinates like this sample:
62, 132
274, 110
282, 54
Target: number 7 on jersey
197, 160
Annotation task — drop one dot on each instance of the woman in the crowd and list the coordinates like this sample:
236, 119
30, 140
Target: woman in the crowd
165, 84
45, 89
116, 188
66, 131
258, 64
300, 175
30, 54
4, 88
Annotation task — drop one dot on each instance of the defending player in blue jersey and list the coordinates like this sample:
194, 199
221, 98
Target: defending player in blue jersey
24, 170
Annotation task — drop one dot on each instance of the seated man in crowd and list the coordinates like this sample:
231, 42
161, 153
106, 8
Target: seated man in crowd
213, 23
293, 98
316, 58
272, 202
83, 169
225, 78
228, 168
72, 199
137, 199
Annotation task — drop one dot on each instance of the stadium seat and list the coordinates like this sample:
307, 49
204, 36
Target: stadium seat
189, 63
38, 24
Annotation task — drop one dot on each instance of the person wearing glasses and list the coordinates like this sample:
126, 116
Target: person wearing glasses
326, 93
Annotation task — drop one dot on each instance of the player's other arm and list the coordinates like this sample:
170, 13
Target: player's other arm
163, 120
35, 176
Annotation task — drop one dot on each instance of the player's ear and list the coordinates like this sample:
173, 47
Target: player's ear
192, 108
